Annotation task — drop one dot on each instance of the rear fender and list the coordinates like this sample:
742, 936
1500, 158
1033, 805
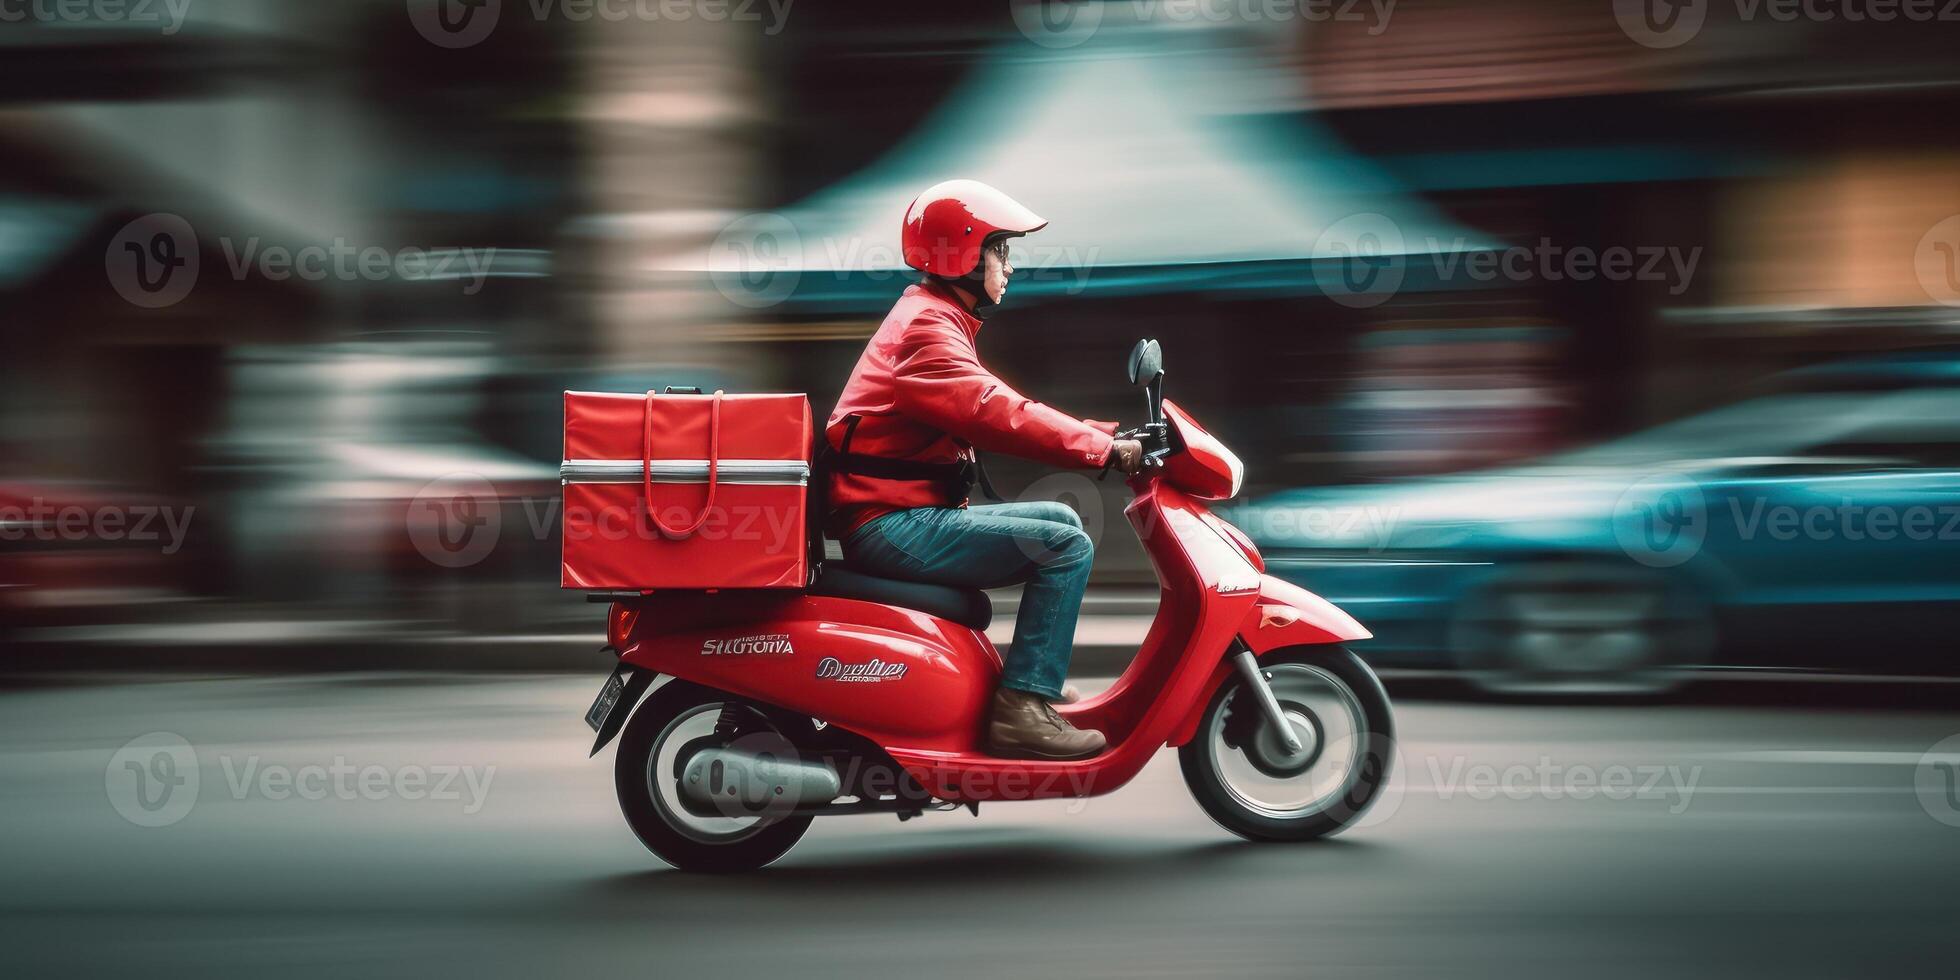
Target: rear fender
901, 678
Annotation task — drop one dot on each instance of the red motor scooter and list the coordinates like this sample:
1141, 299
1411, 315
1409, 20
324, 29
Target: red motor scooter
863, 695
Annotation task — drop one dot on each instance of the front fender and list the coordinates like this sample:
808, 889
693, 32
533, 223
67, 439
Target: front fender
1289, 616
1285, 616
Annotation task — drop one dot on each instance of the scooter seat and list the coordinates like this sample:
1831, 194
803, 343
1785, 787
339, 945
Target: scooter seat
967, 607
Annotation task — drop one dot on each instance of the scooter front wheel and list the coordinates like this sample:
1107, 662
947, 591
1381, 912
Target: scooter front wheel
1246, 778
675, 721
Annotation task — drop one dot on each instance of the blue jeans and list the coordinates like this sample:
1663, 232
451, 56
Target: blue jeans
1039, 542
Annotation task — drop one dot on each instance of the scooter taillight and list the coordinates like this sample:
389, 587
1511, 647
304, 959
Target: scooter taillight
619, 624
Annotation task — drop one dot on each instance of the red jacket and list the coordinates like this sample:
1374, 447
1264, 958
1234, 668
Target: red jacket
921, 394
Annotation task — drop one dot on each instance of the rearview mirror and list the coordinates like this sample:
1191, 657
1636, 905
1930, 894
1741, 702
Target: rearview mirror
1146, 362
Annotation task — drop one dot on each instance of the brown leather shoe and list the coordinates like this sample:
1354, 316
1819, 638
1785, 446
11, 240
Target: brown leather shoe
1026, 726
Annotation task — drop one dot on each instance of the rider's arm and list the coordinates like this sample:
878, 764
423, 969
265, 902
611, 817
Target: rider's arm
939, 380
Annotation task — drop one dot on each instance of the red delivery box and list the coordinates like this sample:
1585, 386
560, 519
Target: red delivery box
685, 491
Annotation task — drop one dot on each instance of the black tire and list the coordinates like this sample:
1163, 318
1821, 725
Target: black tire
651, 819
1376, 753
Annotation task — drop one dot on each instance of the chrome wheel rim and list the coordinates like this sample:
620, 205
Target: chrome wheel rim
663, 786
1334, 736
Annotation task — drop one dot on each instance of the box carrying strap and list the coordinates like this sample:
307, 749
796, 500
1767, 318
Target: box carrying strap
956, 479
714, 467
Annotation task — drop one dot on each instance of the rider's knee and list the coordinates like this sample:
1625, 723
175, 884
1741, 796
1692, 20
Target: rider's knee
1072, 545
1060, 513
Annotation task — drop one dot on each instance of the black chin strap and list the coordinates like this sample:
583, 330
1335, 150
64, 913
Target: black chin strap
976, 286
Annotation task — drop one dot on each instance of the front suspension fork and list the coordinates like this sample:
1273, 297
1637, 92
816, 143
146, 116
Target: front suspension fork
1255, 680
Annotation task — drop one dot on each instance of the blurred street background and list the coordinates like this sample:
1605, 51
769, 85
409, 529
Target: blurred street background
1603, 356
290, 292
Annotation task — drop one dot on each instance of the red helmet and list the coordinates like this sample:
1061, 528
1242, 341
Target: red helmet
946, 226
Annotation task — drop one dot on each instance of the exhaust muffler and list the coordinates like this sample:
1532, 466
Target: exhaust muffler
742, 781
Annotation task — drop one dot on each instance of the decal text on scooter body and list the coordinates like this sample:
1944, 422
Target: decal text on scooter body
767, 643
832, 669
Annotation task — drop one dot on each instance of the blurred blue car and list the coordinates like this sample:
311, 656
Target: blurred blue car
1813, 526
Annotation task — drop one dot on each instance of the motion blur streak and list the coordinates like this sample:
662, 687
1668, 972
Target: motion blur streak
1779, 864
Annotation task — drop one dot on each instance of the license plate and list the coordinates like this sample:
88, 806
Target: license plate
608, 698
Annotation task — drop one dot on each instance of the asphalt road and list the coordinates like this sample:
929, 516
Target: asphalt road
1727, 841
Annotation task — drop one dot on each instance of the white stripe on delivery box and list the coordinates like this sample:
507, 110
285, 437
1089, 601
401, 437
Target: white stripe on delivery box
761, 472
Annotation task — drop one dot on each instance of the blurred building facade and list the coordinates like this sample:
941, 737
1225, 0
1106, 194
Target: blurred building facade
1787, 177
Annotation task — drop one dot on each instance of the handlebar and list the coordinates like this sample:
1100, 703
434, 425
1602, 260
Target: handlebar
1156, 440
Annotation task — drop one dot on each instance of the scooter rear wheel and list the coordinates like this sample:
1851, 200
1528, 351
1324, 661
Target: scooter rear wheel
1240, 773
646, 776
